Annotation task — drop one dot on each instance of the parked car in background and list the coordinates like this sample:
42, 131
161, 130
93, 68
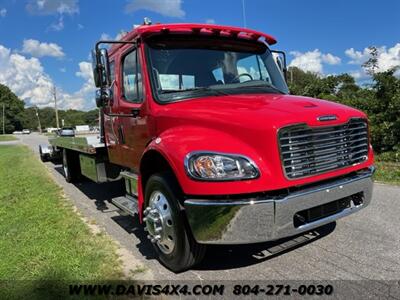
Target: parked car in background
66, 131
26, 131
17, 132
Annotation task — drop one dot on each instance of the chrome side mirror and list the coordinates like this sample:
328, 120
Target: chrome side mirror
95, 70
106, 67
101, 68
280, 60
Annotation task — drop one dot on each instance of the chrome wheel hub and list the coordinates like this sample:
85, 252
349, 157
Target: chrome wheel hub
159, 223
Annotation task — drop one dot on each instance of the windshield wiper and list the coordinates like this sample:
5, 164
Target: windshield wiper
263, 85
196, 89
257, 84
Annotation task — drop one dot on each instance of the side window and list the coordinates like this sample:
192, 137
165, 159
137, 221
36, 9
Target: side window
254, 66
218, 75
247, 66
131, 78
264, 71
176, 81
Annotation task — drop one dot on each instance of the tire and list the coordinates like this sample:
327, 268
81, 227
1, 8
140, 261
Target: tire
71, 165
186, 251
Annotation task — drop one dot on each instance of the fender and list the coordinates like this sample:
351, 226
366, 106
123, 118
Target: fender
176, 143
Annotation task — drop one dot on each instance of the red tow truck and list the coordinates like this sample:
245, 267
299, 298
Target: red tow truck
198, 121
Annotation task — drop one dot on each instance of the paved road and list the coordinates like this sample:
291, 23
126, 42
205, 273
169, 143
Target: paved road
362, 246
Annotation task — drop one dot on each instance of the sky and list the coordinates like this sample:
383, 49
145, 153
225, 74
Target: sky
46, 43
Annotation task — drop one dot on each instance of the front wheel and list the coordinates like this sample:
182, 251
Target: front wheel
166, 225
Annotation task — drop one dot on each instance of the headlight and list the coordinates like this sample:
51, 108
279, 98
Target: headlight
220, 167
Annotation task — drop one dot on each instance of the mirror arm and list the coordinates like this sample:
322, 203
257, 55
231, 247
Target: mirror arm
98, 53
97, 46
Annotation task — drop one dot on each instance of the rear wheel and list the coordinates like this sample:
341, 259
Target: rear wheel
71, 165
167, 227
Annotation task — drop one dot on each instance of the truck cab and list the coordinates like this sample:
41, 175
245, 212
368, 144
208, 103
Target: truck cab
199, 122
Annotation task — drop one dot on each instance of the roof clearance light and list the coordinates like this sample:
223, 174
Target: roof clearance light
147, 21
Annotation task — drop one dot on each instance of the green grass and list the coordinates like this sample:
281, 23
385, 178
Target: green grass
41, 237
7, 137
387, 172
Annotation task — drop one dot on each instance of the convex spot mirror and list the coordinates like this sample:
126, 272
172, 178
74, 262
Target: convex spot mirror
103, 96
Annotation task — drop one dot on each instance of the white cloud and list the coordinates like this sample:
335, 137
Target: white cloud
80, 27
387, 57
121, 34
63, 70
169, 8
330, 59
25, 77
59, 25
38, 49
313, 60
357, 57
28, 80
105, 36
86, 92
85, 70
53, 7
359, 74
210, 21
3, 12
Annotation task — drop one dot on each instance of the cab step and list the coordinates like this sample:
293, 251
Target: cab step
127, 204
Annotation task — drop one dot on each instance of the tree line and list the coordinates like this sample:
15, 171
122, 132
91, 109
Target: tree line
17, 117
380, 99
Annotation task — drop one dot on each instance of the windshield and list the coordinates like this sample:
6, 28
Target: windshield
194, 68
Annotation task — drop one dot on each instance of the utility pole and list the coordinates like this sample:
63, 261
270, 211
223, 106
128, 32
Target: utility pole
4, 118
55, 105
244, 14
38, 119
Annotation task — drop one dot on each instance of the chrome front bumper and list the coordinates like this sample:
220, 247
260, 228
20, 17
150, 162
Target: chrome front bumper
253, 220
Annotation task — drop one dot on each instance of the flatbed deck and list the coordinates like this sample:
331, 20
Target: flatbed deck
89, 143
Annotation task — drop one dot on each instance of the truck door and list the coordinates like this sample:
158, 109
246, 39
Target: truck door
132, 129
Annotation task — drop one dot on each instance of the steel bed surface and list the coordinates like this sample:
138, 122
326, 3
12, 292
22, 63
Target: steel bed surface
86, 144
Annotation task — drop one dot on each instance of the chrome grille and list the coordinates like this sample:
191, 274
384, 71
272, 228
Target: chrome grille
307, 151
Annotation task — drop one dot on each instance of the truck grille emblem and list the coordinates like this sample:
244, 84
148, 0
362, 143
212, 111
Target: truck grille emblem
327, 118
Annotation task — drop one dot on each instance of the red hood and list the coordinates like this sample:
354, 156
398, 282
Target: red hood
244, 124
259, 111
